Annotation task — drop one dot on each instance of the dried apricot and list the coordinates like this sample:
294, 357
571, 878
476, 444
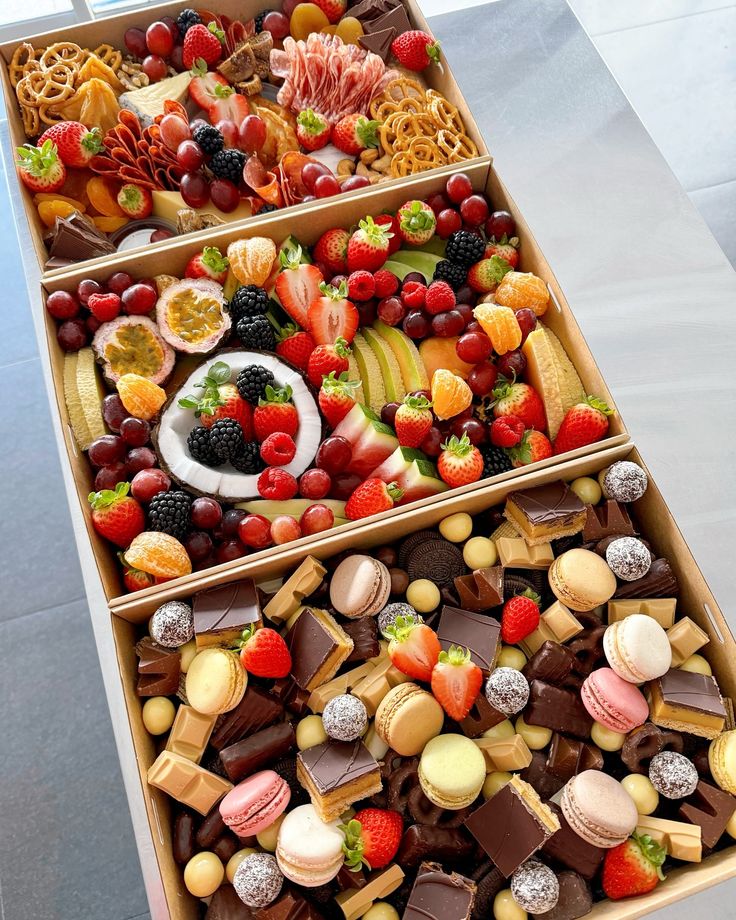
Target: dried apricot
110, 224
306, 18
55, 196
349, 29
500, 325
48, 211
450, 394
103, 197
251, 260
158, 554
140, 396
519, 290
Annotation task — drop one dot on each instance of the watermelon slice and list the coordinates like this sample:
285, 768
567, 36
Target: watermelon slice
413, 473
372, 440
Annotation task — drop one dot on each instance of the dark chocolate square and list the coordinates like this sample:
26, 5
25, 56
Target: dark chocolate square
226, 607
479, 633
310, 645
439, 895
547, 504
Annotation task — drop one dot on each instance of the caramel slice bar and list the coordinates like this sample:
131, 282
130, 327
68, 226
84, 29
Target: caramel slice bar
336, 774
318, 647
516, 553
290, 595
661, 609
222, 613
687, 702
682, 841
546, 513
187, 782
685, 638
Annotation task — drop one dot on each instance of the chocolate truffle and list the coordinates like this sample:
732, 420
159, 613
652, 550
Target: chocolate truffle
625, 481
258, 880
387, 617
172, 624
534, 887
673, 775
628, 558
345, 718
507, 690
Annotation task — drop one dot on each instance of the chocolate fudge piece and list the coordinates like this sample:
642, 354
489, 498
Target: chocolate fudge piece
544, 783
183, 838
226, 905
439, 895
257, 751
257, 710
336, 774
222, 613
575, 900
567, 757
290, 905
479, 633
558, 709
660, 581
606, 520
687, 702
422, 841
158, 669
546, 512
364, 633
551, 663
481, 717
570, 850
711, 809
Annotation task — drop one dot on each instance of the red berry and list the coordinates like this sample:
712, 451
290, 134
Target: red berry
527, 320
416, 325
438, 202
154, 67
159, 39
277, 24
326, 187
198, 545
512, 364
108, 477
104, 307
230, 521
439, 298
139, 299
386, 283
432, 443
458, 188
314, 484
473, 348
278, 449
255, 531
474, 429
448, 221
277, 484
206, 513
224, 195
284, 529
500, 223
413, 295
148, 483
388, 413
114, 412
190, 155
62, 305
316, 518
361, 285
110, 448
507, 431
391, 311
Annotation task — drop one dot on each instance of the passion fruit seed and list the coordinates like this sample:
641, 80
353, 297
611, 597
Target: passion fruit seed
134, 350
194, 316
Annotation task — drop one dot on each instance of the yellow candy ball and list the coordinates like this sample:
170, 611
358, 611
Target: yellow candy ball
381, 910
697, 664
310, 732
187, 652
456, 527
506, 908
731, 826
267, 839
493, 782
536, 736
423, 595
641, 790
503, 730
479, 552
606, 739
158, 714
601, 477
203, 874
587, 490
235, 860
511, 657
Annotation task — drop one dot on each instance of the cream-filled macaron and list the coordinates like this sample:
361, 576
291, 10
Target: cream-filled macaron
451, 771
637, 648
581, 579
309, 851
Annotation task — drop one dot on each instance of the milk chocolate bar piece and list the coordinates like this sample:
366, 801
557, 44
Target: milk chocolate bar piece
255, 711
539, 778
291, 695
257, 751
685, 638
290, 595
187, 782
190, 733
439, 895
551, 663
372, 688
336, 774
158, 669
222, 613
370, 10
661, 609
557, 623
687, 702
424, 841
481, 717
512, 825
347, 879
546, 512
570, 850
607, 520
516, 553
378, 42
711, 809
76, 239
558, 709
682, 840
364, 633
392, 19
343, 683
504, 753
290, 905
474, 631
482, 589
568, 756
575, 899
660, 581
226, 905
356, 902
318, 647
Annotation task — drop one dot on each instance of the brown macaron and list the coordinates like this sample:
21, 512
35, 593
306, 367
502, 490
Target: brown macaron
360, 587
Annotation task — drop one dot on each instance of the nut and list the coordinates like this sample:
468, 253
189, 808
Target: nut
368, 156
362, 170
382, 164
345, 167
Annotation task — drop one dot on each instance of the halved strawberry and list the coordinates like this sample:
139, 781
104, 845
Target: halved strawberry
298, 284
203, 83
372, 837
228, 106
456, 682
332, 316
414, 647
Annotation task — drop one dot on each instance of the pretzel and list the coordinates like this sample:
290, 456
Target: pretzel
48, 116
31, 120
63, 53
456, 147
52, 86
108, 55
22, 62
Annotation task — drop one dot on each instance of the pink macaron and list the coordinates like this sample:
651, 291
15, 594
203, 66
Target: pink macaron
614, 702
254, 804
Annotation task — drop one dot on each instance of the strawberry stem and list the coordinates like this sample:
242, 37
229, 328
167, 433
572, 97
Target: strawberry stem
353, 846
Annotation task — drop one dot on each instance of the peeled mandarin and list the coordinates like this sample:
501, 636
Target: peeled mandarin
349, 29
506, 908
423, 595
587, 490
500, 325
235, 860
450, 394
479, 552
697, 664
203, 874
140, 396
251, 260
606, 739
310, 732
510, 657
109, 224
268, 837
493, 782
456, 527
536, 736
158, 554
187, 653
503, 730
306, 18
381, 910
523, 289
158, 714
641, 790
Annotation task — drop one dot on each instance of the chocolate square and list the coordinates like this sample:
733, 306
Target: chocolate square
558, 709
606, 520
255, 711
439, 895
334, 763
570, 850
481, 717
481, 589
310, 645
711, 809
159, 668
396, 18
479, 633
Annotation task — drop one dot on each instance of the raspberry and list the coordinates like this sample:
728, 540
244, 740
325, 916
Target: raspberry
361, 286
507, 431
386, 283
104, 307
440, 298
278, 449
276, 484
413, 295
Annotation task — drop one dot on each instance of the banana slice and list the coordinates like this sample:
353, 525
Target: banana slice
73, 403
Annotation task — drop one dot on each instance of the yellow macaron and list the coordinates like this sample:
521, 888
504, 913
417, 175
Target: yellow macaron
722, 761
216, 681
452, 770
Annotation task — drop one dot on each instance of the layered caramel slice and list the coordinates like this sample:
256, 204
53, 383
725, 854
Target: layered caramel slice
687, 702
546, 513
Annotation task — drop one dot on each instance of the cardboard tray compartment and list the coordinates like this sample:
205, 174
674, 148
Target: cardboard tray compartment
111, 31
656, 524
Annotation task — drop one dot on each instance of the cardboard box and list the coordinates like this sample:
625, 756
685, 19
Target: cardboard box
655, 523
111, 30
171, 258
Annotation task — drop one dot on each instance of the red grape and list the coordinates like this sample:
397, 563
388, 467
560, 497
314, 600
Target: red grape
72, 335
432, 443
475, 430
448, 221
108, 477
229, 130
277, 24
366, 312
343, 485
86, 288
194, 190
474, 210
447, 324
225, 195
176, 58
482, 379
140, 458
473, 348
252, 134
500, 223
326, 186
388, 413
190, 155
474, 326
159, 39
206, 513
316, 518
148, 483
135, 42
119, 282
231, 520
512, 364
414, 276
391, 311
284, 529
427, 394
334, 454
62, 305
466, 311
354, 183
174, 130
114, 412
154, 67
198, 545
438, 202
173, 28
159, 235
231, 549
314, 484
255, 531
288, 7
135, 431
465, 294
458, 188
527, 320
416, 325
92, 324
139, 299
110, 448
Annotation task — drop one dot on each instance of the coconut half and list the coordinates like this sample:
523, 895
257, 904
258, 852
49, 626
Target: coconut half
225, 482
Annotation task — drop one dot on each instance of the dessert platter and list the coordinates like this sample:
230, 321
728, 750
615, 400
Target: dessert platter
520, 708
266, 389
177, 119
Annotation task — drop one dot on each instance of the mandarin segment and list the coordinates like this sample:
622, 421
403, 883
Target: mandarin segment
500, 325
252, 260
519, 290
450, 394
158, 554
141, 397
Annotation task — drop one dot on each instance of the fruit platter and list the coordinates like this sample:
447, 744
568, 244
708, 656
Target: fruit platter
176, 119
264, 390
519, 708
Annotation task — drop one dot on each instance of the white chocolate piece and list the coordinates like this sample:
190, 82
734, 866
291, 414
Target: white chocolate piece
536, 736
587, 490
423, 595
235, 860
641, 790
506, 908
493, 782
606, 739
203, 874
310, 732
158, 714
187, 652
697, 664
479, 553
268, 838
503, 730
456, 527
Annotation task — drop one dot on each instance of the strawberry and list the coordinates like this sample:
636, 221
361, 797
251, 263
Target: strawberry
413, 420
331, 249
75, 143
116, 516
202, 41
390, 222
312, 130
297, 285
220, 399
228, 106
372, 838
362, 285
633, 867
507, 431
135, 201
40, 168
460, 462
520, 617
415, 50
486, 275
104, 307
521, 400
334, 10
584, 423
296, 346
417, 223
327, 358
368, 246
203, 83
414, 647
209, 263
336, 397
332, 316
456, 682
532, 448
354, 133
275, 413
264, 653
505, 248
135, 579
372, 497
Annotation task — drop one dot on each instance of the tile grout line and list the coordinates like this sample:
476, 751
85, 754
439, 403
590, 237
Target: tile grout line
645, 25
33, 613
18, 363
2, 903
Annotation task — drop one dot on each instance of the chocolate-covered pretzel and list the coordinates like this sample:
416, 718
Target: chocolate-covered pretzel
588, 648
400, 785
644, 742
425, 812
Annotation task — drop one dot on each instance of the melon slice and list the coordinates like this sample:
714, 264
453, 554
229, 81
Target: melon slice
418, 261
91, 393
552, 374
374, 392
412, 472
73, 403
294, 506
437, 352
413, 372
393, 381
354, 375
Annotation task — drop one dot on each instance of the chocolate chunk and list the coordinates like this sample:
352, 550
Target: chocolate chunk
211, 828
226, 846
311, 644
687, 701
226, 905
643, 742
545, 512
291, 696
474, 631
575, 899
222, 613
421, 841
393, 19
551, 663
369, 10
482, 589
711, 809
257, 751
660, 581
291, 905
257, 710
544, 783
567, 757
481, 717
183, 838
607, 519
364, 633
77, 239
378, 42
558, 709
437, 560
570, 850
350, 878
438, 895
158, 669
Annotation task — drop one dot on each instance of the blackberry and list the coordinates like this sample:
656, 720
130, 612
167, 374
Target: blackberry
186, 19
248, 301
228, 164
450, 272
209, 139
464, 248
168, 512
259, 20
252, 382
226, 438
200, 448
256, 332
267, 208
248, 459
495, 460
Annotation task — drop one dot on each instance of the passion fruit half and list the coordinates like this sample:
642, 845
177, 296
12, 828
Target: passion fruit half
133, 345
191, 315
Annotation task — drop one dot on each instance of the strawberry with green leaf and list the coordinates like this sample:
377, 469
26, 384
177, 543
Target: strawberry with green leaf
417, 222
117, 516
41, 168
331, 316
584, 423
456, 682
372, 838
633, 867
336, 397
486, 275
297, 285
533, 447
413, 420
413, 648
264, 653
209, 263
312, 130
220, 399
